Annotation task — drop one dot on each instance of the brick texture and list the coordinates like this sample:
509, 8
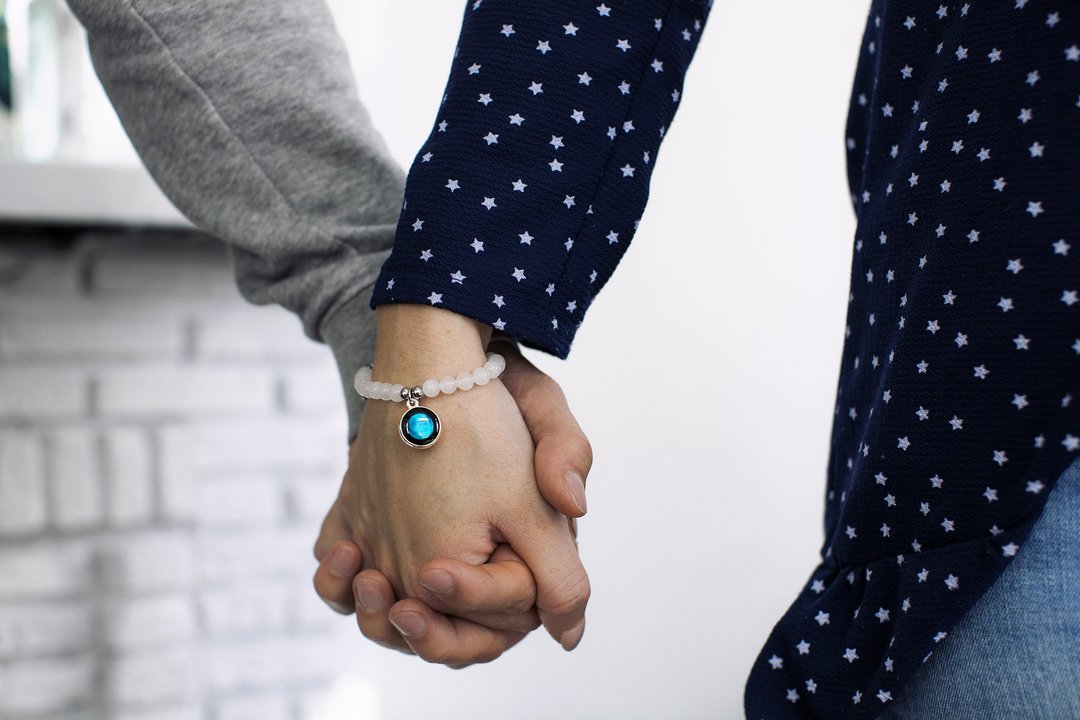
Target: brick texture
45, 569
35, 687
80, 329
172, 390
22, 483
76, 492
42, 628
128, 462
148, 621
42, 393
167, 454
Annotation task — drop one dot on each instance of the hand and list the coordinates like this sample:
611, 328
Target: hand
496, 596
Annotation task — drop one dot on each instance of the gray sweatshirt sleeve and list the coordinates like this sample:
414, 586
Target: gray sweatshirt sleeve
246, 114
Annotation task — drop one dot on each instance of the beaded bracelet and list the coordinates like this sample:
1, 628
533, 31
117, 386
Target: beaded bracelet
420, 426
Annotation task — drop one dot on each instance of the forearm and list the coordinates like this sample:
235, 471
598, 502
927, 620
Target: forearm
246, 115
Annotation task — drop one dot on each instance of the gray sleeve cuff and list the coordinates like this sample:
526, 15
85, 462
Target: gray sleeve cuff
350, 332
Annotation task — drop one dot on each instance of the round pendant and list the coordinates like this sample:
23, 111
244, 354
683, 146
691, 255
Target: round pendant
419, 427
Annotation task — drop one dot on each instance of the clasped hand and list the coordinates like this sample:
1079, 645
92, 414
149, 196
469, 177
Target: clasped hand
457, 552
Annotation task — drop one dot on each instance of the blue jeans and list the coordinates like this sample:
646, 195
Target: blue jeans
1016, 655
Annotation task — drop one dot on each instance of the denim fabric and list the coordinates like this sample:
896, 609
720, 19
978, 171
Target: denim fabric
1016, 655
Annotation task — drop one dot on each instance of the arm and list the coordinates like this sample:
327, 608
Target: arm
518, 208
246, 114
532, 182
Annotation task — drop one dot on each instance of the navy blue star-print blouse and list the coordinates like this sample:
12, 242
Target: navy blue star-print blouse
955, 410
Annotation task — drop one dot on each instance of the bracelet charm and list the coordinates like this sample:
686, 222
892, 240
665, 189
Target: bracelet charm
419, 426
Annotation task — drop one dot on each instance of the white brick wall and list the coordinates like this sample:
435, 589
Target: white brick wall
44, 569
232, 501
167, 454
76, 491
136, 622
153, 676
90, 329
22, 482
35, 687
128, 462
148, 561
44, 627
254, 608
38, 393
172, 390
304, 391
254, 334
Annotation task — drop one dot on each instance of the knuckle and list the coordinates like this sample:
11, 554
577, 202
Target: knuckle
569, 597
522, 604
378, 635
580, 448
523, 623
541, 387
435, 653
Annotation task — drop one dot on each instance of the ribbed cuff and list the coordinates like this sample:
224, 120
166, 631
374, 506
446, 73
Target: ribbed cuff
350, 333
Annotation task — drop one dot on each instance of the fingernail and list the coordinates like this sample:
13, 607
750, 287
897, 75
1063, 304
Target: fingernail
576, 487
341, 561
409, 624
439, 582
368, 595
572, 637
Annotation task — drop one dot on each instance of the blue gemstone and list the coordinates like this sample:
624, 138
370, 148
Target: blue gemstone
421, 426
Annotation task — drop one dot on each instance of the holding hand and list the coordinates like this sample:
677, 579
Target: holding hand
471, 498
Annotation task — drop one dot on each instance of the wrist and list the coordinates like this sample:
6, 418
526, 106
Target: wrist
414, 342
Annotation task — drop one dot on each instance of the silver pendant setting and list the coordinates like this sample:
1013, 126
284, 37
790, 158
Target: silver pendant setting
420, 426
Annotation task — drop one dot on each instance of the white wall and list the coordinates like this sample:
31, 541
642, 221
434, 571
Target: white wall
731, 302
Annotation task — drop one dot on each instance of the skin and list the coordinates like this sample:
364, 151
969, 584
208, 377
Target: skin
463, 555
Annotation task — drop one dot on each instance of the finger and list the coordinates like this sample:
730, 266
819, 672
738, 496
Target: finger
374, 598
339, 561
563, 453
448, 640
334, 576
335, 528
562, 585
499, 594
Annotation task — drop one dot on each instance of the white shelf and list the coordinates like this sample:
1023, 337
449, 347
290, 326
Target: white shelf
59, 194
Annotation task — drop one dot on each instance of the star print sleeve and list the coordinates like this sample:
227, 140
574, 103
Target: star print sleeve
528, 190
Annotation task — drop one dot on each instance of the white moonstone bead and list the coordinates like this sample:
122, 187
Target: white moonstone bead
395, 393
448, 385
465, 381
367, 388
481, 376
431, 387
385, 391
495, 365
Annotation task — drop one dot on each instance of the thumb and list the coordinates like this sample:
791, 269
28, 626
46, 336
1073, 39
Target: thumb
563, 453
